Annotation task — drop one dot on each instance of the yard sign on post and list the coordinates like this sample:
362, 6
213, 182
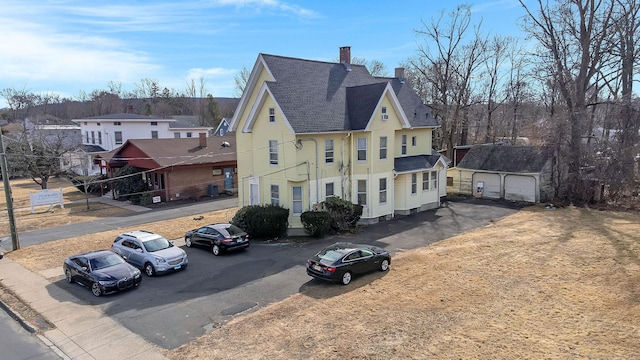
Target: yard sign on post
45, 197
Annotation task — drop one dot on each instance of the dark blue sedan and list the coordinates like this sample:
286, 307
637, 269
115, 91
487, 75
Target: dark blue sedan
341, 261
102, 271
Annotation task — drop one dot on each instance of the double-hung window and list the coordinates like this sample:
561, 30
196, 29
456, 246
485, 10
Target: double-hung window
328, 190
414, 140
154, 134
362, 149
296, 200
275, 195
362, 192
273, 152
118, 137
425, 181
404, 145
328, 151
383, 190
383, 147
414, 183
272, 115
434, 180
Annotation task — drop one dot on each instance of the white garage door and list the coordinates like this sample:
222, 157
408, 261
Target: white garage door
490, 185
520, 188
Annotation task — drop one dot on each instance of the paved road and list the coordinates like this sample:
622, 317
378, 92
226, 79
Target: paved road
67, 231
18, 344
177, 308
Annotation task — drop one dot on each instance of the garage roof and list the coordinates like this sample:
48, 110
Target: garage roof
515, 159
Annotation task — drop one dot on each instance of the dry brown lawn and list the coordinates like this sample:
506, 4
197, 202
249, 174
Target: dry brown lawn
553, 284
560, 284
49, 216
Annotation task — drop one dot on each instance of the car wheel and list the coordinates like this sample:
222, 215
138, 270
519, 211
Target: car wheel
346, 278
215, 249
67, 275
384, 266
149, 270
187, 241
95, 289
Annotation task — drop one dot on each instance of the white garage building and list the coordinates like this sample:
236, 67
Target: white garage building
517, 173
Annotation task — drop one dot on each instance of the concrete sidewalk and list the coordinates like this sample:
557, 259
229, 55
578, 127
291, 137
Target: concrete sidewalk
81, 332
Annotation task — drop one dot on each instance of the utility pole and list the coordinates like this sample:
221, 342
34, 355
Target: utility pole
7, 192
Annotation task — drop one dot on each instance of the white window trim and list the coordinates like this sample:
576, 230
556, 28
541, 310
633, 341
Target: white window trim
273, 151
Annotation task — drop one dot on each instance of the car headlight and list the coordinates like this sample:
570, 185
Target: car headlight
108, 282
160, 260
136, 274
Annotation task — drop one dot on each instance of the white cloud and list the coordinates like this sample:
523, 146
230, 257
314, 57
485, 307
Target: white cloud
39, 53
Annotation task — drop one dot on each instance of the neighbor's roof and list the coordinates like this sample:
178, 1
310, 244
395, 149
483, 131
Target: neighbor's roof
183, 151
318, 96
124, 117
515, 159
187, 122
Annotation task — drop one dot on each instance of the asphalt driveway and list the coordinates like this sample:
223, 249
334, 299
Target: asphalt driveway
175, 309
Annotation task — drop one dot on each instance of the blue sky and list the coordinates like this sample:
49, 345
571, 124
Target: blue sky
68, 46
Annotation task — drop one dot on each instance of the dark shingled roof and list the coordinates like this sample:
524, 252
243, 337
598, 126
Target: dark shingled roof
185, 151
92, 148
313, 95
415, 163
124, 116
514, 159
186, 122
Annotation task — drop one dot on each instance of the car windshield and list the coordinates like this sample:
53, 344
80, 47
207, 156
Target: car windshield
105, 261
157, 244
231, 231
330, 255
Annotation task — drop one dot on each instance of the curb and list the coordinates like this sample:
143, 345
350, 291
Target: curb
17, 317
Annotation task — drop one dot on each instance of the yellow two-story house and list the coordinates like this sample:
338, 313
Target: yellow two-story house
308, 130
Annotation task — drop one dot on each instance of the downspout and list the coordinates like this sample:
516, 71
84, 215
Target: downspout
317, 184
242, 180
343, 165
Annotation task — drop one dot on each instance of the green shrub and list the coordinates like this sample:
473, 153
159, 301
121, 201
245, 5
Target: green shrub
316, 223
146, 198
344, 214
262, 221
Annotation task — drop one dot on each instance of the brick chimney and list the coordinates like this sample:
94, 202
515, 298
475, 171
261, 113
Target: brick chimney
400, 74
202, 137
129, 109
345, 55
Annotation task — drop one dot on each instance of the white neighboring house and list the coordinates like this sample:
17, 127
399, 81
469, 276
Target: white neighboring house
111, 131
104, 133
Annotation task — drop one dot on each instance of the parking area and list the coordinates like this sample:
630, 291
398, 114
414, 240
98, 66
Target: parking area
176, 308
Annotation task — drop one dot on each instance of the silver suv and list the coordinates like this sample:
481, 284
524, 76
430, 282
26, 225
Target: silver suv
150, 252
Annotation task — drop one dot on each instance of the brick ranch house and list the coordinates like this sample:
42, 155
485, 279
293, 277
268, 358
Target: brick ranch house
182, 168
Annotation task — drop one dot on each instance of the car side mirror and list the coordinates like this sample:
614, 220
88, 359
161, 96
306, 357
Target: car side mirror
139, 250
84, 268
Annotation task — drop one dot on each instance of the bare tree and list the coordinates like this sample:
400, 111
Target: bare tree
494, 69
241, 80
574, 34
20, 102
449, 70
37, 153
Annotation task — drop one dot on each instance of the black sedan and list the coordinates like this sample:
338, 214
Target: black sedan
218, 238
340, 261
102, 271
